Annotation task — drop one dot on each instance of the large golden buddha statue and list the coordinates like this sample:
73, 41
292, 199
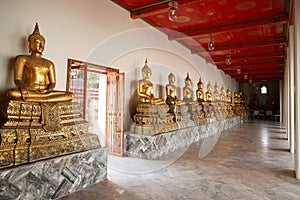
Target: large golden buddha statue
199, 91
145, 87
39, 122
35, 76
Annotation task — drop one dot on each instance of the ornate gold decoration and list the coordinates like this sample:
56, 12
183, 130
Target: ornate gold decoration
29, 133
51, 117
183, 19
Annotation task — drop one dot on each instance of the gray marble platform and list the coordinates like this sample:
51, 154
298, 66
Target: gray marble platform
154, 147
54, 178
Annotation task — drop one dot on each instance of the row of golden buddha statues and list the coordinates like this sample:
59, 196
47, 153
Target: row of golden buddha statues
157, 115
38, 122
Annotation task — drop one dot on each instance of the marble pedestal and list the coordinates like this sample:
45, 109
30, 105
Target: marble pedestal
54, 178
154, 147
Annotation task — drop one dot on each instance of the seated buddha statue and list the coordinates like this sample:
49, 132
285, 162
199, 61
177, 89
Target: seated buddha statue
236, 98
216, 93
187, 90
222, 95
171, 92
228, 96
199, 91
35, 76
208, 94
241, 97
145, 87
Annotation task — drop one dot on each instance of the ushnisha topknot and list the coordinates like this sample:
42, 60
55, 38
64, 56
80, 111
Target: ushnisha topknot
36, 34
188, 77
146, 68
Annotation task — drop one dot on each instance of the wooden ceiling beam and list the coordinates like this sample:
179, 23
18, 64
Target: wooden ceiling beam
156, 8
232, 70
258, 64
255, 44
281, 19
258, 80
214, 59
248, 60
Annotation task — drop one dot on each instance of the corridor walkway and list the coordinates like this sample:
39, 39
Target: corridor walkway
250, 161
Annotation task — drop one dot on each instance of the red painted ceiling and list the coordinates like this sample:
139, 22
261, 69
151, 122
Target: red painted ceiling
251, 33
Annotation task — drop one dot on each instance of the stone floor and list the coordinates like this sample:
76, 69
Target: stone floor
250, 161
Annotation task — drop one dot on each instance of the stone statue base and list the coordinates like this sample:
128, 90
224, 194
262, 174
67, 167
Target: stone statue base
37, 131
208, 108
152, 119
198, 114
181, 116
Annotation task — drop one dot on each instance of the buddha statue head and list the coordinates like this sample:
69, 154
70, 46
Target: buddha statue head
188, 80
171, 78
36, 42
146, 70
200, 84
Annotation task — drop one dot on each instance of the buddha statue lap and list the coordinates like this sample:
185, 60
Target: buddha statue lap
152, 115
39, 122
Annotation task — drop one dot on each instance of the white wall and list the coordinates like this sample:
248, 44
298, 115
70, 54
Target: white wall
101, 32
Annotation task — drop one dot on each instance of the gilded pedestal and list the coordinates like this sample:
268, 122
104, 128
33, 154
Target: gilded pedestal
36, 131
152, 119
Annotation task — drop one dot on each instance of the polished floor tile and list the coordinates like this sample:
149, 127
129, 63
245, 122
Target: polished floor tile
250, 161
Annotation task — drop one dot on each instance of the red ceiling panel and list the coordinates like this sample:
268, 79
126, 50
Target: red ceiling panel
251, 30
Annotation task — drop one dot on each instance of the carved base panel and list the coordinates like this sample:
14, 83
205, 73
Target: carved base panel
45, 151
36, 131
153, 129
185, 124
199, 122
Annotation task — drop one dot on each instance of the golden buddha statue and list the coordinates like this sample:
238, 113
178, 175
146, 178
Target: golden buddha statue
236, 98
228, 96
145, 87
187, 90
171, 91
199, 91
208, 94
222, 95
38, 73
241, 97
216, 93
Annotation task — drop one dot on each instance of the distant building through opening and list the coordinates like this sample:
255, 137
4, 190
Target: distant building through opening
263, 90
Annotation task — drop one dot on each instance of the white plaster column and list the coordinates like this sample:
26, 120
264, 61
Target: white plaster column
280, 100
287, 95
291, 58
297, 87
